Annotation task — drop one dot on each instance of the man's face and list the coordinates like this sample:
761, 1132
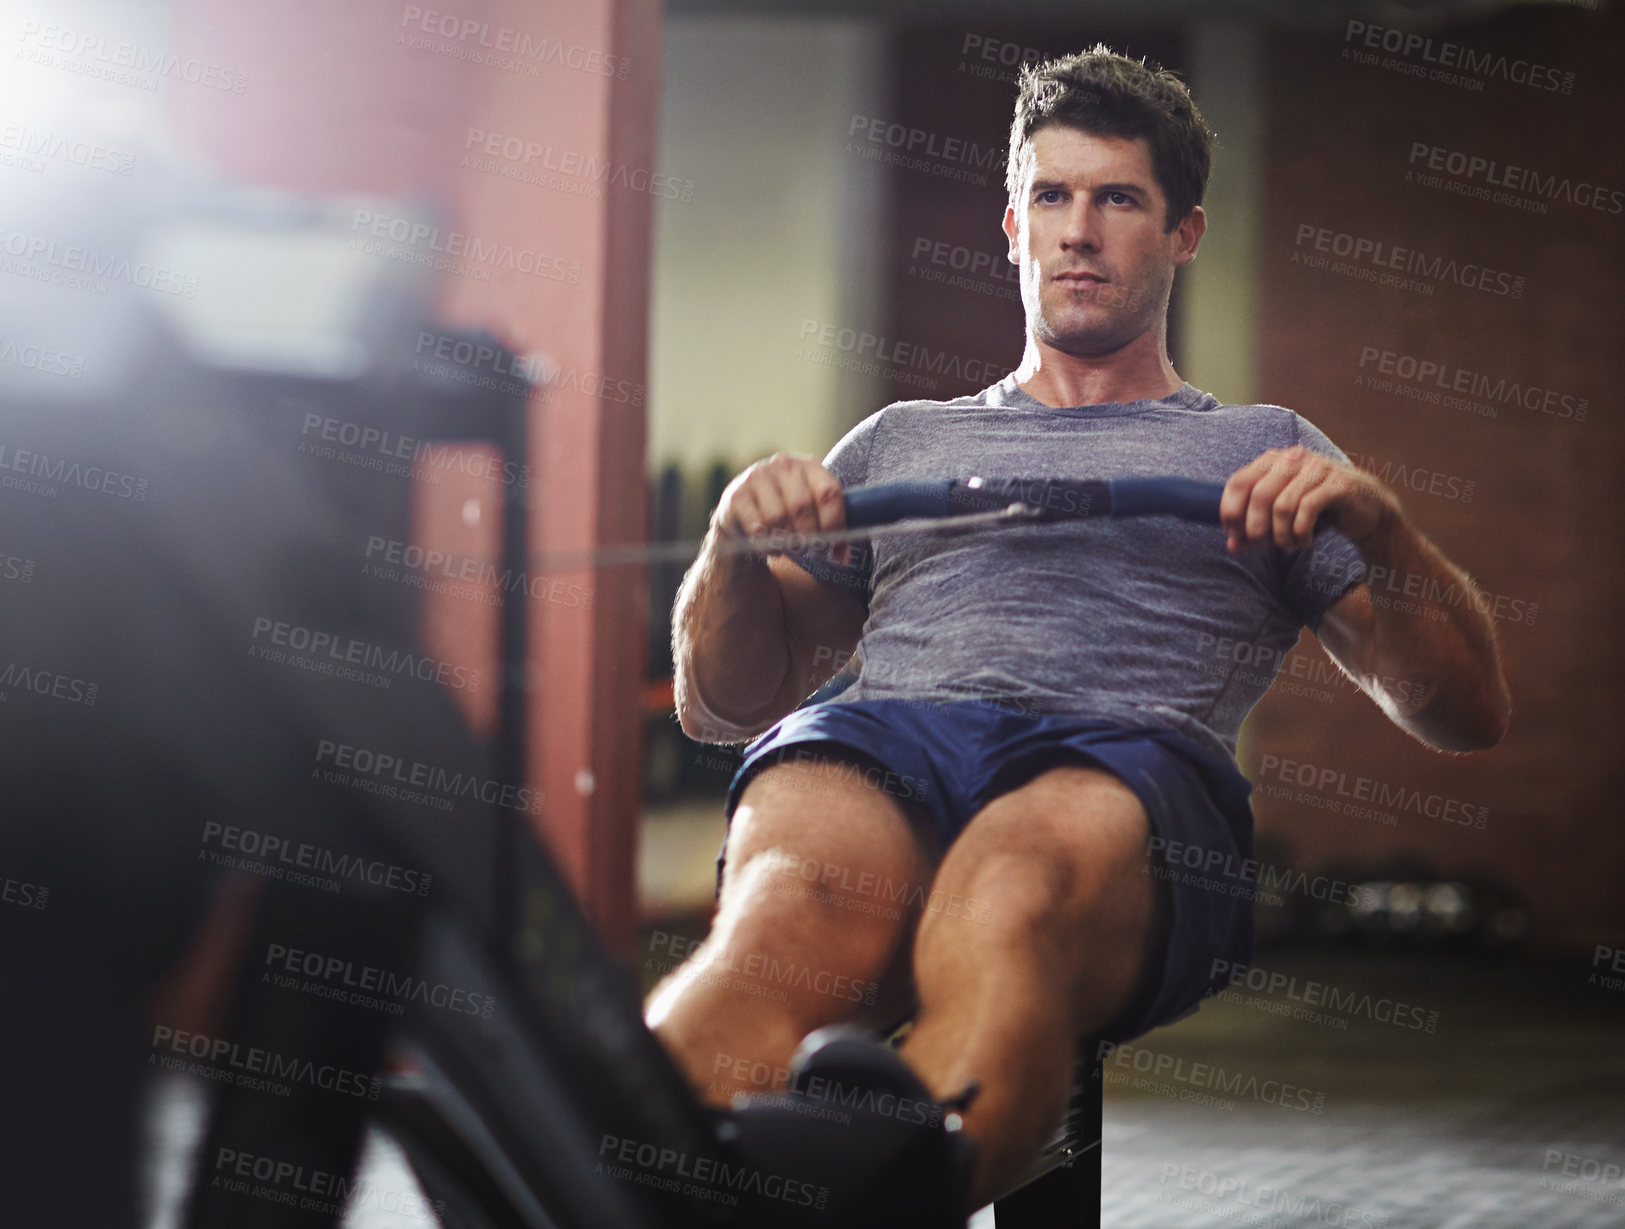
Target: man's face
1087, 231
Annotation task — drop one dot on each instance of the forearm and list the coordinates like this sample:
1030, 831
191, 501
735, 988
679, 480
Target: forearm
729, 647
1430, 635
1417, 622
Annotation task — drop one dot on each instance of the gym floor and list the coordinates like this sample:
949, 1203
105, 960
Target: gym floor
1354, 1089
1357, 1089
1507, 1116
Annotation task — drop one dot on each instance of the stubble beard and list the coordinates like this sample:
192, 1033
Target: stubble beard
1112, 322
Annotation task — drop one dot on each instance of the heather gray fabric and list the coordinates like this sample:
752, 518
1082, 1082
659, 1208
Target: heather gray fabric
1144, 621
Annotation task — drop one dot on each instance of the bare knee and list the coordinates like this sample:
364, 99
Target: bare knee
772, 970
1065, 852
1061, 899
1012, 902
772, 916
827, 860
786, 956
814, 926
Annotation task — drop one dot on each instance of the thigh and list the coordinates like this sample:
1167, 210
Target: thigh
821, 811
1058, 868
822, 859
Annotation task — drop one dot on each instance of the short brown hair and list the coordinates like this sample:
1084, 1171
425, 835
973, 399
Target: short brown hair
1106, 94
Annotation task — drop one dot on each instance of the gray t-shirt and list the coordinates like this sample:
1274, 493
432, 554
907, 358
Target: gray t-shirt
1143, 621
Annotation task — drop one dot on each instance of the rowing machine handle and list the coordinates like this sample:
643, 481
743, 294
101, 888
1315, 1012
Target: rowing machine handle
1186, 498
886, 502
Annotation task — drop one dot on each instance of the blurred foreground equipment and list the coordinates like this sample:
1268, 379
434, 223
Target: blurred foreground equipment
210, 403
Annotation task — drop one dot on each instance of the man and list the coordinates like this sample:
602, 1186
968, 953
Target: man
1035, 712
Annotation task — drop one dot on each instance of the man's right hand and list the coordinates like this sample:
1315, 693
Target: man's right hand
785, 493
752, 636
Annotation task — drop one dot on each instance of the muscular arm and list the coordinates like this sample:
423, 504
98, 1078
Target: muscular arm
753, 636
1450, 649
1440, 642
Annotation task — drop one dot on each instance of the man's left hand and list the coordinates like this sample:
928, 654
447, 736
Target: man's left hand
1280, 496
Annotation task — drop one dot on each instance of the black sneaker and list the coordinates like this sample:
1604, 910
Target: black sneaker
856, 1141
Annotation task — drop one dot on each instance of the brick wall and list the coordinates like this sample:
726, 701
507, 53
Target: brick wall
1541, 528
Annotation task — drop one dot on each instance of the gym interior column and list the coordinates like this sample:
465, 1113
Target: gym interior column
593, 112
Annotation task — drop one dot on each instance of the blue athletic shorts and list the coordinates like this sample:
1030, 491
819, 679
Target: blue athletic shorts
954, 758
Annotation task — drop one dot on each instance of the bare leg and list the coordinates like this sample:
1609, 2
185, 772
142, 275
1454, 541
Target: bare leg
1062, 925
814, 926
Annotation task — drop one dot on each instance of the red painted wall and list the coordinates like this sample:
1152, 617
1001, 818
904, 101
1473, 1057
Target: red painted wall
498, 112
